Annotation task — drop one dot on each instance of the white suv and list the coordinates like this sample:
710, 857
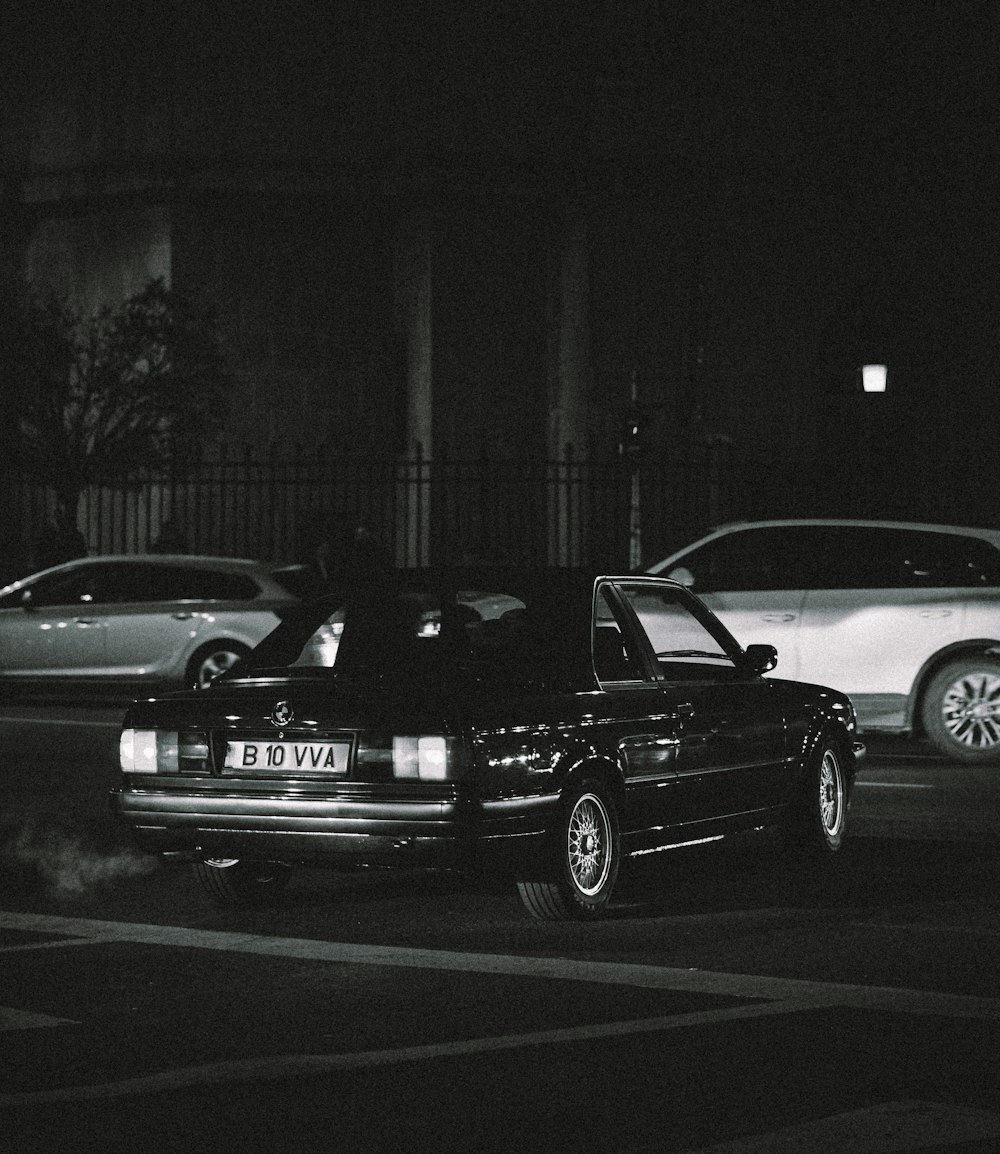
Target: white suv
904, 617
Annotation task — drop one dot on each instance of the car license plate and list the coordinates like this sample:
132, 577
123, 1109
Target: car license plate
288, 756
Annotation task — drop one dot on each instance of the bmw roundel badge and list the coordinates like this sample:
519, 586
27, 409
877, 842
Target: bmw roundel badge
281, 714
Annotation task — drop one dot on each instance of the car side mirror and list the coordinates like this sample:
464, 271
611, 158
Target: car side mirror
761, 658
683, 576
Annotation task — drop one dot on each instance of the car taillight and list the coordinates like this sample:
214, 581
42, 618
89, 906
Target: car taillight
148, 751
427, 758
162, 751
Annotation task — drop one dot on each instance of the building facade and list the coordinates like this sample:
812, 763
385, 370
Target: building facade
477, 230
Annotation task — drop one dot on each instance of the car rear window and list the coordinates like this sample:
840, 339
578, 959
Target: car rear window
299, 580
468, 630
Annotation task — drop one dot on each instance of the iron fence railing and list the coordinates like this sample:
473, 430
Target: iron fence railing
284, 504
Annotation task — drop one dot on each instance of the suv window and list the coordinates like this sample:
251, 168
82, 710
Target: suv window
869, 557
774, 557
841, 557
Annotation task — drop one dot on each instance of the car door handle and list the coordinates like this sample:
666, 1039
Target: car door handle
771, 618
86, 620
935, 612
182, 616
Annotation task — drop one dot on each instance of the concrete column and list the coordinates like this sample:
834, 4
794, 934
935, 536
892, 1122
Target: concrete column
15, 527
413, 285
569, 383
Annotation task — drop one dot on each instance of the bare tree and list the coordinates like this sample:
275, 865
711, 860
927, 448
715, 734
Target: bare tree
110, 397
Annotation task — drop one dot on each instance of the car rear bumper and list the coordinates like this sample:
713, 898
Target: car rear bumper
447, 832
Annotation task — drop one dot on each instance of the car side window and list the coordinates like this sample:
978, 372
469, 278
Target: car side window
145, 582
178, 583
686, 649
77, 587
103, 584
870, 557
748, 560
614, 659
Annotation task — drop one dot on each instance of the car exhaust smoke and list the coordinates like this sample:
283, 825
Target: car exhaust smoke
61, 864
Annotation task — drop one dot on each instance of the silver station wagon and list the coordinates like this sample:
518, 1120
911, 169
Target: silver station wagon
165, 619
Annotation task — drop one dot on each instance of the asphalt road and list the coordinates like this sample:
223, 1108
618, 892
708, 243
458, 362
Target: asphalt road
725, 1005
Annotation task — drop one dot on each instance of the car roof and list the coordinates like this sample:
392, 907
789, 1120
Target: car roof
264, 571
858, 522
196, 559
990, 535
512, 577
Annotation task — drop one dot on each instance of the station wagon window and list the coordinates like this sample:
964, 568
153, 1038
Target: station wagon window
686, 649
180, 583
72, 588
139, 583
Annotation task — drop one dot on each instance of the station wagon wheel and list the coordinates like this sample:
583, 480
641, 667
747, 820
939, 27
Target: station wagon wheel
816, 821
585, 851
212, 660
238, 882
961, 710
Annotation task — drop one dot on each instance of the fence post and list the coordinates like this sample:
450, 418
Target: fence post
716, 450
565, 485
413, 477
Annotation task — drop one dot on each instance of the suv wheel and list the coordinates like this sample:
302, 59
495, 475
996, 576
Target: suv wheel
961, 710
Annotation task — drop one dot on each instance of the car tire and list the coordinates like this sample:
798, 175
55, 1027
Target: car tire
961, 709
584, 858
816, 822
239, 882
212, 660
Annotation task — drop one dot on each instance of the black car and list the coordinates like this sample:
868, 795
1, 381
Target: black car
549, 724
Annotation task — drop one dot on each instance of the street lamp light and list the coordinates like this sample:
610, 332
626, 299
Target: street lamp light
873, 378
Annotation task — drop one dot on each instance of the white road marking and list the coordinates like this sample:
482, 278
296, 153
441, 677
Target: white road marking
59, 945
888, 1128
913, 927
11, 1019
897, 1000
892, 785
784, 996
287, 1065
85, 721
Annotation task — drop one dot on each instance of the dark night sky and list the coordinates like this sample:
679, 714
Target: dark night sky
899, 107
